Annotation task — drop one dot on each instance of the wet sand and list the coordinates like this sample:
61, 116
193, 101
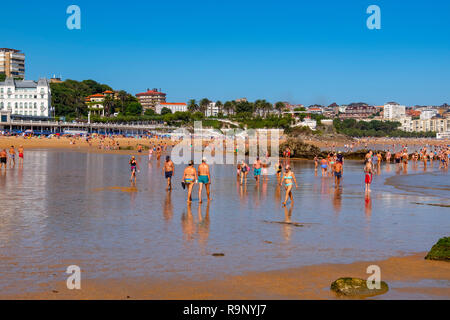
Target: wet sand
409, 277
64, 207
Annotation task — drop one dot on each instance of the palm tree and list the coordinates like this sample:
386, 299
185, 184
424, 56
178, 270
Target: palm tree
219, 106
123, 95
192, 106
108, 103
279, 106
204, 105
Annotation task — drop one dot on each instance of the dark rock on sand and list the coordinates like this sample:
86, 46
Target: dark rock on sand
356, 287
440, 251
218, 254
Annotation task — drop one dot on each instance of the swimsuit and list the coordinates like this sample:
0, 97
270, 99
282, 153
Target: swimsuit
168, 174
188, 180
338, 174
287, 184
133, 166
3, 160
257, 172
203, 179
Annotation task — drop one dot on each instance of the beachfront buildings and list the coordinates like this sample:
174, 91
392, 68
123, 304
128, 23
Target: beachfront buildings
26, 97
150, 99
393, 111
12, 63
172, 106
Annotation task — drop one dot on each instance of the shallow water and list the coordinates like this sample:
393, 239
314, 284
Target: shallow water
67, 207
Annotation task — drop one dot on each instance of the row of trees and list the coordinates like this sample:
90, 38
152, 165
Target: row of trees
260, 107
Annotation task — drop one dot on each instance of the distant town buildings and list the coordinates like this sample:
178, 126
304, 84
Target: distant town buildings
393, 111
358, 111
12, 63
241, 100
26, 97
437, 124
150, 99
428, 114
172, 106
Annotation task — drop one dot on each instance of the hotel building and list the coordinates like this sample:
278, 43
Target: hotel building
26, 97
172, 106
12, 63
151, 98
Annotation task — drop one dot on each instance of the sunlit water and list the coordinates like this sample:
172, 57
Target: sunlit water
66, 208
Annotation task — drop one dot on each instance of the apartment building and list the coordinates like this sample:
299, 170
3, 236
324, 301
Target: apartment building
12, 63
151, 98
393, 111
436, 124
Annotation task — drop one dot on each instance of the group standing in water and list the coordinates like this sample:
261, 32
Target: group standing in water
10, 157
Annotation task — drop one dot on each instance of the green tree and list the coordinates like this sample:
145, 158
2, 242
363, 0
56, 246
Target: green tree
165, 111
133, 109
279, 106
203, 106
192, 106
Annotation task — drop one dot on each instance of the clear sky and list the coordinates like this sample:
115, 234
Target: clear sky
299, 51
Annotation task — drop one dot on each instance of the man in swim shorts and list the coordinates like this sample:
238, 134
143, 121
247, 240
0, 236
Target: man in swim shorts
3, 158
337, 173
20, 150
257, 169
204, 178
168, 170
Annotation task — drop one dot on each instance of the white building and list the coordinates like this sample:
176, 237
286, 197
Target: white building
308, 122
172, 106
394, 111
437, 124
428, 114
26, 97
212, 110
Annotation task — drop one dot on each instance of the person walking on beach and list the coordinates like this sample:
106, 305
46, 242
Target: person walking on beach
279, 169
257, 169
168, 170
368, 170
324, 164
12, 157
289, 179
134, 166
189, 178
337, 173
3, 158
204, 178
243, 172
20, 150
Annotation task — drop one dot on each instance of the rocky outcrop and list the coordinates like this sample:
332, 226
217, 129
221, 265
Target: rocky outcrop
355, 287
440, 251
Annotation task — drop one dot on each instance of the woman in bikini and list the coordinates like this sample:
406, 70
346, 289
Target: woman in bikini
289, 179
189, 178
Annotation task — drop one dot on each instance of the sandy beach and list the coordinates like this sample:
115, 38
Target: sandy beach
404, 275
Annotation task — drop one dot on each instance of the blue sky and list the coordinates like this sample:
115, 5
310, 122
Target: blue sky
298, 51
